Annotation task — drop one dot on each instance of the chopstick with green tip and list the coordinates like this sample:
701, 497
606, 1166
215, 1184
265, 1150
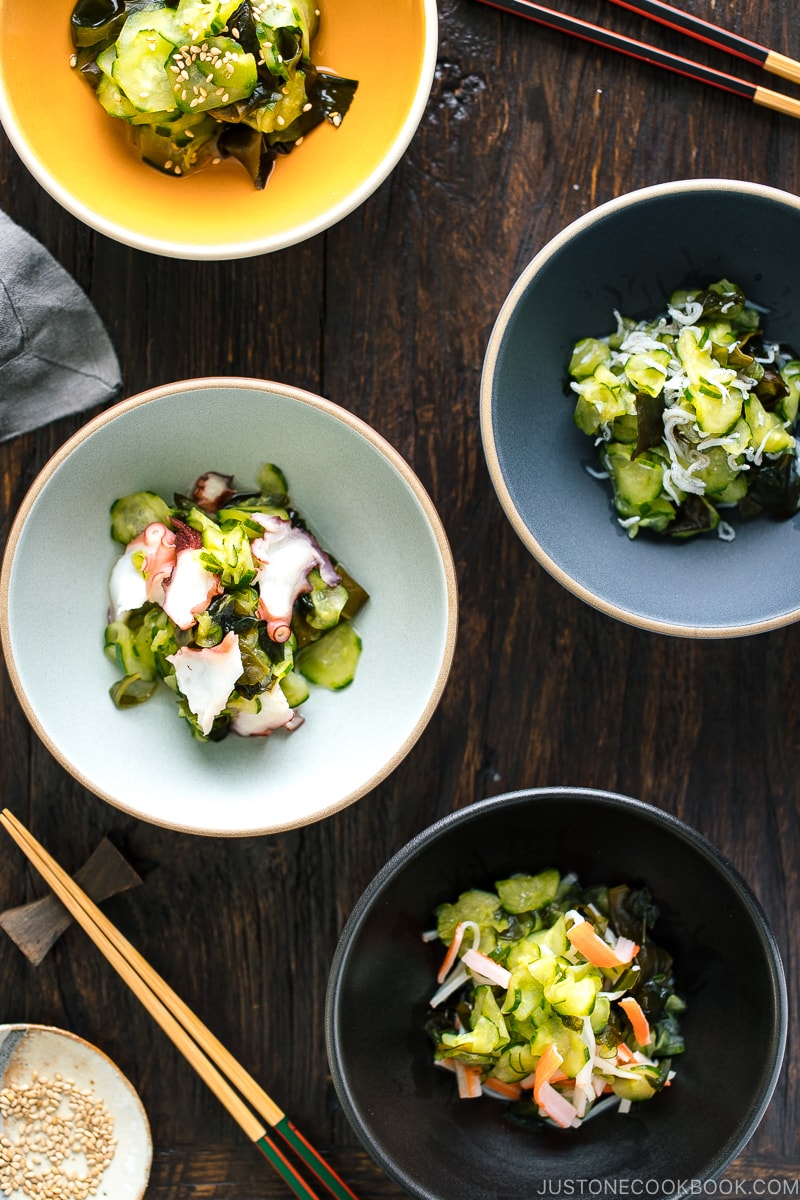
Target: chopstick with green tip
215, 1065
599, 36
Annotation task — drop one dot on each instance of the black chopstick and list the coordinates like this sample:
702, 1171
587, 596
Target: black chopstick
649, 54
712, 35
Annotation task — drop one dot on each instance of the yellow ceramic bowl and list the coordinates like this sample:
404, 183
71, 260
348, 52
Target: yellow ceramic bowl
82, 157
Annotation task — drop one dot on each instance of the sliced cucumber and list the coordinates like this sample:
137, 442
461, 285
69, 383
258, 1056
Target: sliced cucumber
331, 660
140, 70
587, 356
524, 893
198, 18
571, 997
294, 688
324, 604
213, 75
272, 483
647, 372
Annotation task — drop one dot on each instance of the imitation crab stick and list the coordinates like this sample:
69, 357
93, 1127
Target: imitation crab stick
639, 1023
583, 937
511, 1091
551, 1102
528, 1082
469, 1081
480, 964
455, 946
546, 1067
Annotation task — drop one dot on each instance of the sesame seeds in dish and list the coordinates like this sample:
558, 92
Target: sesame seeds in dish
71, 1125
57, 1139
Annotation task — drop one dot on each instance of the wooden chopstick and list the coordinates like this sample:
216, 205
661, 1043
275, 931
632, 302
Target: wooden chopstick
200, 1047
649, 54
721, 39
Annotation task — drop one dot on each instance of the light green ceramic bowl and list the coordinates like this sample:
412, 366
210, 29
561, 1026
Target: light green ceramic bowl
363, 502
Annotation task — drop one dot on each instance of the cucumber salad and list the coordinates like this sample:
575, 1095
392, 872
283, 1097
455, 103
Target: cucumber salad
227, 599
202, 80
693, 413
554, 998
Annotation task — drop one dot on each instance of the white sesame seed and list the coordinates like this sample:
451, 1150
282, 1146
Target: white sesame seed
47, 1126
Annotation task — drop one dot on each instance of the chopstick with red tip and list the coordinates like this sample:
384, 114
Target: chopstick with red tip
712, 35
600, 36
215, 1065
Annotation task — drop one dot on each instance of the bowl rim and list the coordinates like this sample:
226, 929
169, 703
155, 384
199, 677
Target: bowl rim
494, 346
228, 250
649, 812
347, 418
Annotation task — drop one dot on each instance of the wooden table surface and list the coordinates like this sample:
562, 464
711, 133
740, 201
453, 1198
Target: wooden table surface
525, 130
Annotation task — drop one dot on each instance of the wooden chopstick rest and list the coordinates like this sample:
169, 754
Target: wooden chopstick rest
37, 926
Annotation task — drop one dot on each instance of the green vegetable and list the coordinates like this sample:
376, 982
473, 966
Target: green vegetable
131, 514
545, 980
324, 604
524, 893
208, 79
692, 412
331, 660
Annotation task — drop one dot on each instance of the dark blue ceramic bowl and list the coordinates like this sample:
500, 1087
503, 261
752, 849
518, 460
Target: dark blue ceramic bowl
405, 1110
630, 254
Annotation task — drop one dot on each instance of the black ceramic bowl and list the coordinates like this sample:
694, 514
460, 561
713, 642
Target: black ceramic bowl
629, 255
405, 1110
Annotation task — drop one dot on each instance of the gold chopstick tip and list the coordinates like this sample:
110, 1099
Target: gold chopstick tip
788, 105
779, 64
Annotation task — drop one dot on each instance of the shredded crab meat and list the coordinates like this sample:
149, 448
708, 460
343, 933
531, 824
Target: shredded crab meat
458, 978
455, 946
565, 1092
485, 968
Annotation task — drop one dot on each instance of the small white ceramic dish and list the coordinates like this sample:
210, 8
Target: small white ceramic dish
68, 1082
364, 504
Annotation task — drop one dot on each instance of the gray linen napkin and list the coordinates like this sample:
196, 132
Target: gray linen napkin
55, 355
